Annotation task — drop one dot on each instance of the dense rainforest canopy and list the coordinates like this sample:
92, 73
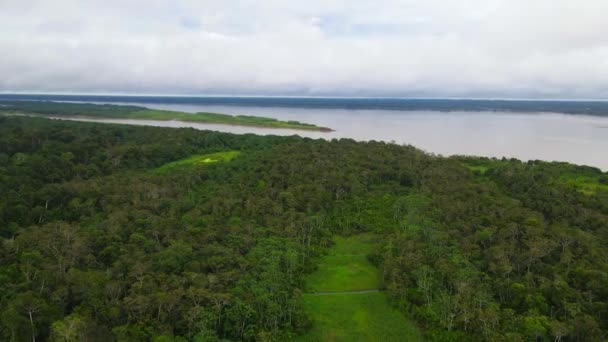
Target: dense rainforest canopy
111, 232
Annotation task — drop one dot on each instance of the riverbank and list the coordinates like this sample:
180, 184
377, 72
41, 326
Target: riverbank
577, 139
98, 111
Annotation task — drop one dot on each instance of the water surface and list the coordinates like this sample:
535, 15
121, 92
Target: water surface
579, 139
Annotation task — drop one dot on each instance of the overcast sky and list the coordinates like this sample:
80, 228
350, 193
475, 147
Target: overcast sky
424, 48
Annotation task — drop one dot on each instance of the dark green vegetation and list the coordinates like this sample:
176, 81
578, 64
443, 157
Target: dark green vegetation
46, 108
338, 311
97, 245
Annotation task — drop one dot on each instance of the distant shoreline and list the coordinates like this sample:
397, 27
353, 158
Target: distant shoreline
594, 108
99, 111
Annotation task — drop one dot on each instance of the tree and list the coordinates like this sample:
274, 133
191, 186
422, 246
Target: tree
32, 306
71, 328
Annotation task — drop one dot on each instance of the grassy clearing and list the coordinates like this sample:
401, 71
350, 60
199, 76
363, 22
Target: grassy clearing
352, 316
346, 267
356, 317
479, 168
587, 184
480, 165
588, 180
198, 160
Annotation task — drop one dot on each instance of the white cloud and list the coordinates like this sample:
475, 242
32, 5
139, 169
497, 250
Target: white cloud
505, 48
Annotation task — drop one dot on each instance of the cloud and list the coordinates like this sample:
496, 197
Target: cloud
491, 48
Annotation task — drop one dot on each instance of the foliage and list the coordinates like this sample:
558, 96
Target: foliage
95, 244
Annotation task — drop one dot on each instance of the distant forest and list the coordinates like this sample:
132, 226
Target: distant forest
598, 108
124, 233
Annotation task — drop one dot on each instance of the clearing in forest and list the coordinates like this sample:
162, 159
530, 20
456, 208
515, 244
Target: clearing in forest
588, 180
344, 301
199, 159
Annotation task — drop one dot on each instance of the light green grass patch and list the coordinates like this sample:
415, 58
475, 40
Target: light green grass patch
481, 168
365, 316
226, 119
585, 179
480, 165
586, 184
356, 317
198, 160
346, 267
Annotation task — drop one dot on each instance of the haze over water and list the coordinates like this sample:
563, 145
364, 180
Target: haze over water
579, 139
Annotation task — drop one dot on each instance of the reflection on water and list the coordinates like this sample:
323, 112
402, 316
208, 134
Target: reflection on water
574, 138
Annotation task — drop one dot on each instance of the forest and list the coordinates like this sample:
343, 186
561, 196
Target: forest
126, 233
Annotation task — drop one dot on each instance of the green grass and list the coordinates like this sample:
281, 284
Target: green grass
352, 316
215, 118
481, 168
198, 160
356, 317
587, 184
346, 267
44, 108
583, 178
480, 165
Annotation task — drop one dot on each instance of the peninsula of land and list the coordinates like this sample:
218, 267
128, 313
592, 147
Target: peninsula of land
107, 111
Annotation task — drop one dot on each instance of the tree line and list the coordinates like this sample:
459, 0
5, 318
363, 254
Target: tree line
95, 245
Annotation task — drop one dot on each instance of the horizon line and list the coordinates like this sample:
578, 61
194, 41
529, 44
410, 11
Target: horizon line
4, 93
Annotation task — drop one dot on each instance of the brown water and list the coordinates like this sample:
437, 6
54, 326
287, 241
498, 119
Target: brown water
578, 139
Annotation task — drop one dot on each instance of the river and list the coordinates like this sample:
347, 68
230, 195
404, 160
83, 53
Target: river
579, 139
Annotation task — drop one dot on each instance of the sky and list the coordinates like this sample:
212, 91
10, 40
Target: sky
430, 48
